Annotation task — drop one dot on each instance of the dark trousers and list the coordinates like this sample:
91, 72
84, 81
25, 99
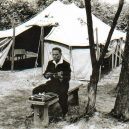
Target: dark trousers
56, 87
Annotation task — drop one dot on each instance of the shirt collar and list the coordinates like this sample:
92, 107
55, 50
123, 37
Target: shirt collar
60, 61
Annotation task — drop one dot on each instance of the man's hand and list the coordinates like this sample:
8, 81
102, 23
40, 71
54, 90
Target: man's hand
60, 74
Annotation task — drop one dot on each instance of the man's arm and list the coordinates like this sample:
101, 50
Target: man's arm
48, 74
67, 72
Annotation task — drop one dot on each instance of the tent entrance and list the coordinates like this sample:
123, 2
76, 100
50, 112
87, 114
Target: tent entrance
27, 49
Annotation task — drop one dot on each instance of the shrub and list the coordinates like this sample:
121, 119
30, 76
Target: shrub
20, 11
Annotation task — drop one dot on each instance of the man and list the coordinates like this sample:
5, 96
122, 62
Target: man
59, 72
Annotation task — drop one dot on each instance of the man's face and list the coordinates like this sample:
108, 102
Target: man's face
56, 55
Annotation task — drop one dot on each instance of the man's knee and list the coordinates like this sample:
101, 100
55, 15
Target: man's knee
39, 89
34, 90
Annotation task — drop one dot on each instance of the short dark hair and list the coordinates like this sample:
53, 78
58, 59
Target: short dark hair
58, 49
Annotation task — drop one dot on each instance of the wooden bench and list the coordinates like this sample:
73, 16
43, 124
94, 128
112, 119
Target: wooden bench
42, 106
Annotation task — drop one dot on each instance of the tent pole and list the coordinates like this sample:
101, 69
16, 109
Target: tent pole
97, 45
71, 62
13, 45
120, 52
42, 48
116, 55
98, 52
112, 61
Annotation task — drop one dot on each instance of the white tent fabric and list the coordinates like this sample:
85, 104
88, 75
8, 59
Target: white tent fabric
71, 32
72, 29
79, 59
40, 20
3, 41
4, 52
111, 48
116, 45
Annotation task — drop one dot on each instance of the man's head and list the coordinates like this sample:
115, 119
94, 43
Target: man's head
56, 54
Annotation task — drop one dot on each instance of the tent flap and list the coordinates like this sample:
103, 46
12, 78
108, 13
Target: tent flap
4, 52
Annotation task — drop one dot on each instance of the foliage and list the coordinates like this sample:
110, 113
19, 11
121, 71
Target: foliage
106, 13
20, 11
25, 10
41, 4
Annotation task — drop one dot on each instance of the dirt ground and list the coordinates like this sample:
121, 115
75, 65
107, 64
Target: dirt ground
16, 88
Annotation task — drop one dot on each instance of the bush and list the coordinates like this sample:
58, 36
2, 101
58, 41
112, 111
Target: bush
106, 13
20, 11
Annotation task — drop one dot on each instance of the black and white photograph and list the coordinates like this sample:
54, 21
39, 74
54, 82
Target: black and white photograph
64, 64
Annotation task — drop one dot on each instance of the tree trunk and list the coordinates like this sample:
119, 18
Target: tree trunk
121, 108
92, 86
92, 89
90, 32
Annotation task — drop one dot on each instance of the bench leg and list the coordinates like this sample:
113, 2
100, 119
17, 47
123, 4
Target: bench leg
75, 97
36, 116
41, 118
44, 116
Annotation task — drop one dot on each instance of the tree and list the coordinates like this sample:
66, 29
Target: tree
106, 13
121, 108
92, 86
23, 11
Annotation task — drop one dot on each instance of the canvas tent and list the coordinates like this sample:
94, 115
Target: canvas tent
70, 35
